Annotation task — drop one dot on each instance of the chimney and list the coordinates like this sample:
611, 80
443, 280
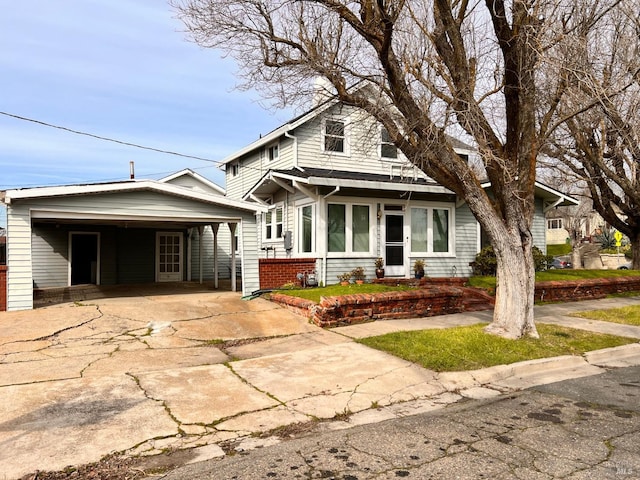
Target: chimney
132, 173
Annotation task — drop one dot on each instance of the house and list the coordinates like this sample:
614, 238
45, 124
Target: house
178, 228
338, 194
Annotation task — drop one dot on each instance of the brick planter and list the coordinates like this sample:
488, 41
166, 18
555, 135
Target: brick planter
423, 282
365, 307
276, 272
588, 289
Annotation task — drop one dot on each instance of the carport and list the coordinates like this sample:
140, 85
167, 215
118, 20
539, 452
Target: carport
131, 232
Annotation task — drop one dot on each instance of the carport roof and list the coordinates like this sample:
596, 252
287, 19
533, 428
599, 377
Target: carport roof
127, 186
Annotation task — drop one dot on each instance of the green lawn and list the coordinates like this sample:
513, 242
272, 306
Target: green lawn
625, 315
314, 294
469, 348
558, 275
560, 249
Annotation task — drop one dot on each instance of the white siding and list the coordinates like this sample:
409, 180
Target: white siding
539, 227
187, 181
19, 276
50, 250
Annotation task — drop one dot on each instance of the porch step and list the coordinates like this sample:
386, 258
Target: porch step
476, 300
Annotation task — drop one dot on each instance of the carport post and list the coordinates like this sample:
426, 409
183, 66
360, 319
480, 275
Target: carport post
200, 241
232, 227
214, 228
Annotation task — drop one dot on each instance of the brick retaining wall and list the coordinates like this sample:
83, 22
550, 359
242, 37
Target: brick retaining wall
365, 307
576, 290
3, 288
276, 272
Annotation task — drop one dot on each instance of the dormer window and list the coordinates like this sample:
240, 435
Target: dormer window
334, 136
387, 148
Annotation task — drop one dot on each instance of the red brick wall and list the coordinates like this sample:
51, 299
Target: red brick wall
276, 272
365, 307
3, 288
585, 289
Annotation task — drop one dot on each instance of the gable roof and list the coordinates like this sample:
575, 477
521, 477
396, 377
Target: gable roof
187, 172
127, 186
296, 122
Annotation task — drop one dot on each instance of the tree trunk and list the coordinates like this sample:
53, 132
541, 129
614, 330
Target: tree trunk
576, 257
635, 251
515, 281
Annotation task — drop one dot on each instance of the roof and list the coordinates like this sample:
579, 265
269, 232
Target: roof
190, 173
296, 122
126, 186
317, 177
551, 196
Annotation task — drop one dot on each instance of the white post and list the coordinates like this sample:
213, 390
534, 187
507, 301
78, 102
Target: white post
232, 228
214, 228
200, 242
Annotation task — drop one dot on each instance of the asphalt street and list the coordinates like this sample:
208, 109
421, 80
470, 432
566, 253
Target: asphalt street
584, 428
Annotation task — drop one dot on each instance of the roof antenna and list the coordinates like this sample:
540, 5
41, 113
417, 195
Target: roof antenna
132, 174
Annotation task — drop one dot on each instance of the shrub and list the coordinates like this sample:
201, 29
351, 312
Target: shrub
485, 263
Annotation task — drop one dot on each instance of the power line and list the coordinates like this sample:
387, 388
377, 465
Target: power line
107, 139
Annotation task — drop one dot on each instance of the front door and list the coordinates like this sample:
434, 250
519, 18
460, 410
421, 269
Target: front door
169, 257
84, 255
394, 261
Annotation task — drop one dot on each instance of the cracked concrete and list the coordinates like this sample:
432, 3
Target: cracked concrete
142, 375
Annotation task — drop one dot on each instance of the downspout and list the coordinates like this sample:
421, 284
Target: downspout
295, 148
332, 192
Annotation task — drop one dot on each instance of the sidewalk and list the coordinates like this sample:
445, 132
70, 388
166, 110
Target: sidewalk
71, 389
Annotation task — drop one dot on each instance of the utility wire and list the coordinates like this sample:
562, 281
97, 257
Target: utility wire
129, 144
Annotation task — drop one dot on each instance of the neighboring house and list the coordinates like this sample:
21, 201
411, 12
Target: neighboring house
339, 194
135, 231
559, 221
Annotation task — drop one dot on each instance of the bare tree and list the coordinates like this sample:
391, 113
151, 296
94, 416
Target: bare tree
601, 144
426, 65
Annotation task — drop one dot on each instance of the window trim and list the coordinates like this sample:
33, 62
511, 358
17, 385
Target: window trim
299, 226
268, 151
349, 253
559, 224
323, 133
274, 223
430, 207
382, 143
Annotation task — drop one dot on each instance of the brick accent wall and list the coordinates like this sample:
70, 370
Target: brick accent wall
3, 288
365, 307
576, 290
276, 272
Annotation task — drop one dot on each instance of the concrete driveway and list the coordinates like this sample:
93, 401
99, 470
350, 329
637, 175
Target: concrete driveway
78, 381
156, 373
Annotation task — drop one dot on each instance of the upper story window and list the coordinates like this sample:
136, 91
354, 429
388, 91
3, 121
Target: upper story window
334, 136
235, 168
554, 223
273, 223
387, 147
273, 152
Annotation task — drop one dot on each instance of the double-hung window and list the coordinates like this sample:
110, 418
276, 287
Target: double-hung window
349, 228
273, 223
273, 152
432, 230
387, 147
334, 136
554, 224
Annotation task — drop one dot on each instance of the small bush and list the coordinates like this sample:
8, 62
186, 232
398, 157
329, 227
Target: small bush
486, 264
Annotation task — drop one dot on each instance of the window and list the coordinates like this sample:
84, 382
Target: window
273, 152
387, 147
334, 136
273, 224
348, 229
235, 168
306, 229
431, 230
554, 223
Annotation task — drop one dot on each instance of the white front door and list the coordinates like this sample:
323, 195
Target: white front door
168, 256
393, 234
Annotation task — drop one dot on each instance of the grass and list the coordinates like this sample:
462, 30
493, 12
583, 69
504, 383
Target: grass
314, 294
625, 315
470, 348
558, 275
560, 249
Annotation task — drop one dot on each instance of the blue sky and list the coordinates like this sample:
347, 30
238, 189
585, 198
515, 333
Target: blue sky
123, 70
